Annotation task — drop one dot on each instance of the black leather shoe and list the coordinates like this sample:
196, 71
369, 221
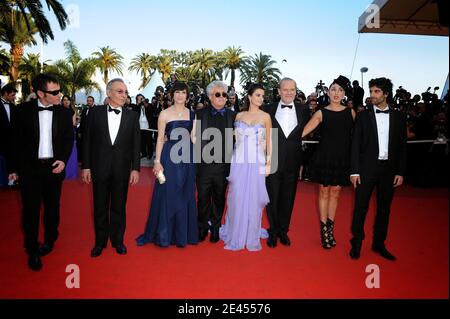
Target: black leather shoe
45, 249
384, 252
272, 241
96, 251
284, 239
121, 249
214, 238
34, 262
202, 236
355, 252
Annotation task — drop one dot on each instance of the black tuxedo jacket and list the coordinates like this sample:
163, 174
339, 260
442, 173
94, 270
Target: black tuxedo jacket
148, 112
204, 115
6, 130
364, 154
105, 159
25, 141
289, 147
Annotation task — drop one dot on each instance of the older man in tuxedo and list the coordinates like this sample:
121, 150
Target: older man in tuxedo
41, 146
288, 120
111, 147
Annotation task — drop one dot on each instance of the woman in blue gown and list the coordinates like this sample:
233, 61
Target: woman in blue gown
173, 213
72, 163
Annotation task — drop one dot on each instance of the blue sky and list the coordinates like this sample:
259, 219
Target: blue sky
317, 38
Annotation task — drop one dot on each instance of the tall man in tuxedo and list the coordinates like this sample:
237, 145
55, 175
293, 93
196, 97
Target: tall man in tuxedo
378, 159
7, 114
144, 112
288, 120
41, 146
214, 167
111, 160
90, 102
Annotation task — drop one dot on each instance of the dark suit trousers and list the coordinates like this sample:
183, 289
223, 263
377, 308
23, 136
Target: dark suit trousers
40, 186
383, 180
110, 198
211, 189
281, 187
146, 143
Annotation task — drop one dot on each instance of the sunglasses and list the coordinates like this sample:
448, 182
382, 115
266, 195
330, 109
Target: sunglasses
55, 92
219, 95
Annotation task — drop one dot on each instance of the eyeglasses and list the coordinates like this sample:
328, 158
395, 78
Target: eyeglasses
55, 92
218, 94
121, 91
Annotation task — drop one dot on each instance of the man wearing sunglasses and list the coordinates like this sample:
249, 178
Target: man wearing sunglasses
215, 163
41, 146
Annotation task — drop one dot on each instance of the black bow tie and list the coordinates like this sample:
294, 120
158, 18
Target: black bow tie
48, 108
110, 109
283, 106
384, 112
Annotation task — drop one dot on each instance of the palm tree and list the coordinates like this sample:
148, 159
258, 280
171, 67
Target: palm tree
13, 30
165, 66
30, 67
260, 69
233, 60
74, 72
204, 61
108, 60
5, 62
33, 15
146, 64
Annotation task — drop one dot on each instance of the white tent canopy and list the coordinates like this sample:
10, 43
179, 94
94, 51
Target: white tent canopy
417, 17
154, 82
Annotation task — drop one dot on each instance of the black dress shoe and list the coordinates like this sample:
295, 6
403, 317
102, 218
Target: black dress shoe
45, 249
214, 238
284, 239
355, 252
202, 236
34, 262
272, 241
96, 251
384, 252
121, 249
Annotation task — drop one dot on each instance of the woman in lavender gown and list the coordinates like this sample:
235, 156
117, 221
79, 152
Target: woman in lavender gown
72, 163
247, 194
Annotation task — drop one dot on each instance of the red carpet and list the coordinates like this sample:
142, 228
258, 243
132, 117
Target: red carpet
418, 236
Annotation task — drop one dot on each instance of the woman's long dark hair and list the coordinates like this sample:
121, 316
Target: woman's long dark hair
250, 91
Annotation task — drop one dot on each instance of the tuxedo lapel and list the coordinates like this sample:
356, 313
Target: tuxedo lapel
35, 121
55, 118
123, 120
298, 111
275, 124
391, 131
373, 122
105, 125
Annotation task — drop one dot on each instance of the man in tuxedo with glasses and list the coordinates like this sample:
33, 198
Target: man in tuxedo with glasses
111, 149
214, 168
41, 146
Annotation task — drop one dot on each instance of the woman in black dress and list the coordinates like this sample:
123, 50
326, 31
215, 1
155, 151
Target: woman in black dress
330, 164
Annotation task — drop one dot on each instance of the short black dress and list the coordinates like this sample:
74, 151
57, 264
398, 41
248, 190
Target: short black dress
330, 164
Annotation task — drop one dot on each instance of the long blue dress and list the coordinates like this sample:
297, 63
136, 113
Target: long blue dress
247, 193
173, 212
72, 163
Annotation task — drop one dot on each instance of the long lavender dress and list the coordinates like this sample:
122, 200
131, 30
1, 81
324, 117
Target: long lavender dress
247, 193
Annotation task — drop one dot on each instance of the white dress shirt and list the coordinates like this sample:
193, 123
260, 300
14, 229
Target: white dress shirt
383, 133
143, 122
114, 123
287, 118
7, 109
45, 133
